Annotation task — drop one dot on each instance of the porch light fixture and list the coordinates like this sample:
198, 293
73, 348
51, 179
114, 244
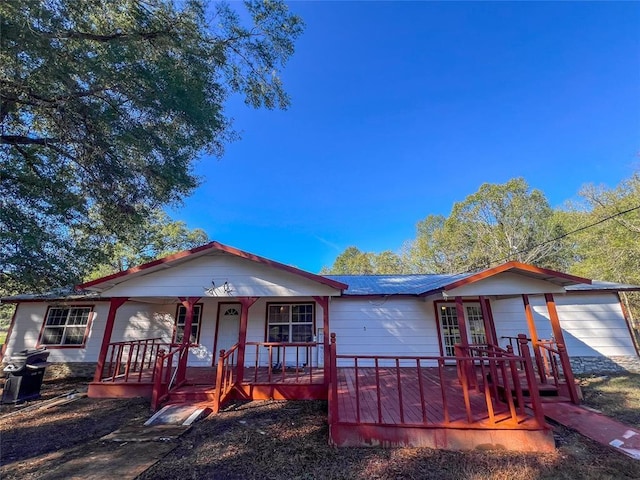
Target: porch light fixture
211, 291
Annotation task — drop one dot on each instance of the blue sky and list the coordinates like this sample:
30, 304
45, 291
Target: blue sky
401, 109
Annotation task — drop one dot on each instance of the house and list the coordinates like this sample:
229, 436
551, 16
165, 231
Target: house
452, 361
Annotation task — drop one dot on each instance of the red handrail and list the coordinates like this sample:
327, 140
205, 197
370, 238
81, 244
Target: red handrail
164, 374
300, 365
129, 360
488, 370
225, 378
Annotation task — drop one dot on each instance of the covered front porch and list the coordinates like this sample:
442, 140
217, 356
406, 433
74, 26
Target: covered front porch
171, 371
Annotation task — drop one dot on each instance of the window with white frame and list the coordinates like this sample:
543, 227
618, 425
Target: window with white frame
65, 326
290, 322
181, 317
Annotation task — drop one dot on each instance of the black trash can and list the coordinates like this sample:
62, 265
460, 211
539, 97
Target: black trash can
25, 372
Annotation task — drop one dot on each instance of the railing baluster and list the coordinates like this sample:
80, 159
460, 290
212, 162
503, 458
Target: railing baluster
421, 387
284, 357
399, 381
111, 369
464, 370
378, 391
443, 391
256, 364
487, 393
357, 390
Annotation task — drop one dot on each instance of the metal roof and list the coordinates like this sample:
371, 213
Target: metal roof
421, 284
359, 285
395, 284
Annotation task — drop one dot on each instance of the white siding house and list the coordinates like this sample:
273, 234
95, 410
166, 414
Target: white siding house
370, 315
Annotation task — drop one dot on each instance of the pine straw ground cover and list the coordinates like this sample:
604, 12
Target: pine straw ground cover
288, 440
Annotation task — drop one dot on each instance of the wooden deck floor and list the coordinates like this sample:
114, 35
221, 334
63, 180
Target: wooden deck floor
405, 399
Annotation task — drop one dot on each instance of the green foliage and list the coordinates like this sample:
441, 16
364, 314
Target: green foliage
611, 249
157, 237
499, 223
355, 262
104, 105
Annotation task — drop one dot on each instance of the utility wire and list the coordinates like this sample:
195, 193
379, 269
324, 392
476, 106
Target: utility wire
564, 235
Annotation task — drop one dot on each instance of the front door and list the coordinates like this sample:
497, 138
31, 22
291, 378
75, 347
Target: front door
228, 328
450, 328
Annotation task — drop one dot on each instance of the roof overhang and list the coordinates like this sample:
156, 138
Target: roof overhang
557, 278
212, 248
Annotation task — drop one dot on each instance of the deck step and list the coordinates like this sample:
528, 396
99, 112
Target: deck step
192, 394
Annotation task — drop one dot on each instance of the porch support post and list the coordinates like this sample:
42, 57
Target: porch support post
462, 323
188, 304
533, 333
464, 341
562, 348
489, 327
324, 303
246, 303
114, 305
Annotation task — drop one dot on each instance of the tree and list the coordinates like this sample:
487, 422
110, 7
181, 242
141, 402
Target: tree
609, 250
498, 223
157, 237
104, 105
355, 262
607, 244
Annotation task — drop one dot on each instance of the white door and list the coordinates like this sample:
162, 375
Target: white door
228, 327
450, 328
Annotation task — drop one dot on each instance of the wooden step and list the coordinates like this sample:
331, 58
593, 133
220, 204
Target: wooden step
193, 393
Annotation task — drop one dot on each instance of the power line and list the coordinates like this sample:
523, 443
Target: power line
564, 235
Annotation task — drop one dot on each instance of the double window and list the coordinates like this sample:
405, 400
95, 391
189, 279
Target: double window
290, 322
450, 327
65, 326
181, 317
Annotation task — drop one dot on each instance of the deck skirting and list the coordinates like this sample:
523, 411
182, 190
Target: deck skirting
343, 435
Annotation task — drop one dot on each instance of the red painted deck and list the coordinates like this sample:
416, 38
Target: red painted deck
260, 383
406, 399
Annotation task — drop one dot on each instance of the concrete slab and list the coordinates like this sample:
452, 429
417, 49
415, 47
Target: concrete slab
104, 460
596, 426
137, 433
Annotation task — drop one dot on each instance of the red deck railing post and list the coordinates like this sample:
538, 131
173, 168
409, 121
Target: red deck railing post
219, 385
333, 385
534, 394
568, 374
156, 394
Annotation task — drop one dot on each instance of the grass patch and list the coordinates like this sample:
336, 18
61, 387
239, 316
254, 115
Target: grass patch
617, 396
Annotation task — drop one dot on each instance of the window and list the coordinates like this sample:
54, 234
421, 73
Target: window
450, 328
290, 322
65, 326
181, 316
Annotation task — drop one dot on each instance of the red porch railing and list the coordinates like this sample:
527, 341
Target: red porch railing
133, 360
424, 391
165, 375
553, 364
284, 362
226, 375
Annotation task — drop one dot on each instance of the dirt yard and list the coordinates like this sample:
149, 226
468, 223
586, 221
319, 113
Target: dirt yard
278, 440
